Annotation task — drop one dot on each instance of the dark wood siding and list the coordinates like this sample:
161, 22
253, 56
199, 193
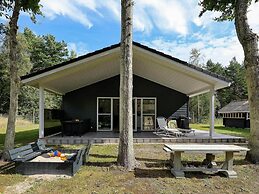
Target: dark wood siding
182, 111
81, 103
238, 123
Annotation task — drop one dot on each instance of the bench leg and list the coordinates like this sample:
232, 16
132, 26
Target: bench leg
171, 160
177, 169
228, 166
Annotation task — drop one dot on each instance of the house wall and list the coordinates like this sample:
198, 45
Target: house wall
238, 123
82, 103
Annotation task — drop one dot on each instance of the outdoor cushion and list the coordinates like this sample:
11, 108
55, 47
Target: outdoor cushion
172, 124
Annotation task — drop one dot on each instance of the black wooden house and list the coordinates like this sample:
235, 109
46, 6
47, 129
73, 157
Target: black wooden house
236, 114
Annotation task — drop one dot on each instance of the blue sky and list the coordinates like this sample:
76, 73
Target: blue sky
171, 26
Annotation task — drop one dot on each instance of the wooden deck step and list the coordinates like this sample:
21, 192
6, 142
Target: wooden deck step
84, 140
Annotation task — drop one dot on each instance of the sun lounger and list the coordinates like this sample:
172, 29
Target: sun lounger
164, 130
173, 124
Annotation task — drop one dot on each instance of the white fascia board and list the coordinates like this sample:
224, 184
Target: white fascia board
184, 69
233, 112
206, 90
53, 91
200, 91
45, 74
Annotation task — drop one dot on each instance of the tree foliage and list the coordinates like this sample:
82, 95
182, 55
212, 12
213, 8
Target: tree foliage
35, 55
237, 10
11, 9
46, 48
235, 73
196, 57
225, 7
31, 7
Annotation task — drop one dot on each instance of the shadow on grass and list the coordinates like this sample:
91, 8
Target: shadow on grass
21, 138
156, 165
102, 156
137, 158
152, 173
165, 173
150, 160
101, 164
201, 175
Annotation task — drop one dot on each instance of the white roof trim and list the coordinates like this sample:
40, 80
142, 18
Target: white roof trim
204, 81
185, 69
70, 65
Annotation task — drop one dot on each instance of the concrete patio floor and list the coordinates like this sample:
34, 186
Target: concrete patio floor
145, 137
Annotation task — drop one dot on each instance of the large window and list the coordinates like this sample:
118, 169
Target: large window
144, 114
104, 114
149, 114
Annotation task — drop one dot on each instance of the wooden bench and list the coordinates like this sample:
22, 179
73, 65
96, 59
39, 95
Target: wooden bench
209, 165
28, 152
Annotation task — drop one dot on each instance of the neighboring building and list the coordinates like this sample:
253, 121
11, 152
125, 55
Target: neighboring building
90, 86
236, 114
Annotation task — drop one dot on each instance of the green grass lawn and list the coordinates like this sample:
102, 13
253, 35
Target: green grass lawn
219, 128
25, 132
152, 175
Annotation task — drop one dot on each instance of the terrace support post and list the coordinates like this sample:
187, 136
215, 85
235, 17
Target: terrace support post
41, 112
212, 111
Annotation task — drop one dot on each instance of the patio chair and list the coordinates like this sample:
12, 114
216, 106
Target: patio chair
173, 124
164, 130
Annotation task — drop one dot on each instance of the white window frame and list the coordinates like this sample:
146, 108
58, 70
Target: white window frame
97, 112
147, 98
111, 114
234, 115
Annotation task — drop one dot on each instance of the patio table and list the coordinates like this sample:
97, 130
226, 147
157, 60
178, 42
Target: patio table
227, 168
73, 127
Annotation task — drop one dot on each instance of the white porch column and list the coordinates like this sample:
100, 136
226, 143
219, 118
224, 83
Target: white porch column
41, 112
212, 111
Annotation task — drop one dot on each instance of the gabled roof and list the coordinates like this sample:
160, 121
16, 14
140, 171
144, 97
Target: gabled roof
117, 46
148, 63
235, 107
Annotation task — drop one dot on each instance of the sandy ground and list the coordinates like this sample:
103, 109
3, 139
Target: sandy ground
24, 186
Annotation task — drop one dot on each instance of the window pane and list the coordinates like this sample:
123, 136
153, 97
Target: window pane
138, 114
148, 123
104, 106
116, 115
148, 106
104, 122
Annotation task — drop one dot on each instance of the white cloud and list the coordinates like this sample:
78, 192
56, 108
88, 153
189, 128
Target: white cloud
253, 15
166, 15
78, 10
53, 9
79, 47
220, 50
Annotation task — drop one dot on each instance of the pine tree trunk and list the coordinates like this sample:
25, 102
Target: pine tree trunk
249, 42
126, 152
14, 79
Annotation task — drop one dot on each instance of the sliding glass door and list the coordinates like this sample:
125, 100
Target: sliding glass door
145, 114
148, 114
143, 109
116, 114
104, 114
